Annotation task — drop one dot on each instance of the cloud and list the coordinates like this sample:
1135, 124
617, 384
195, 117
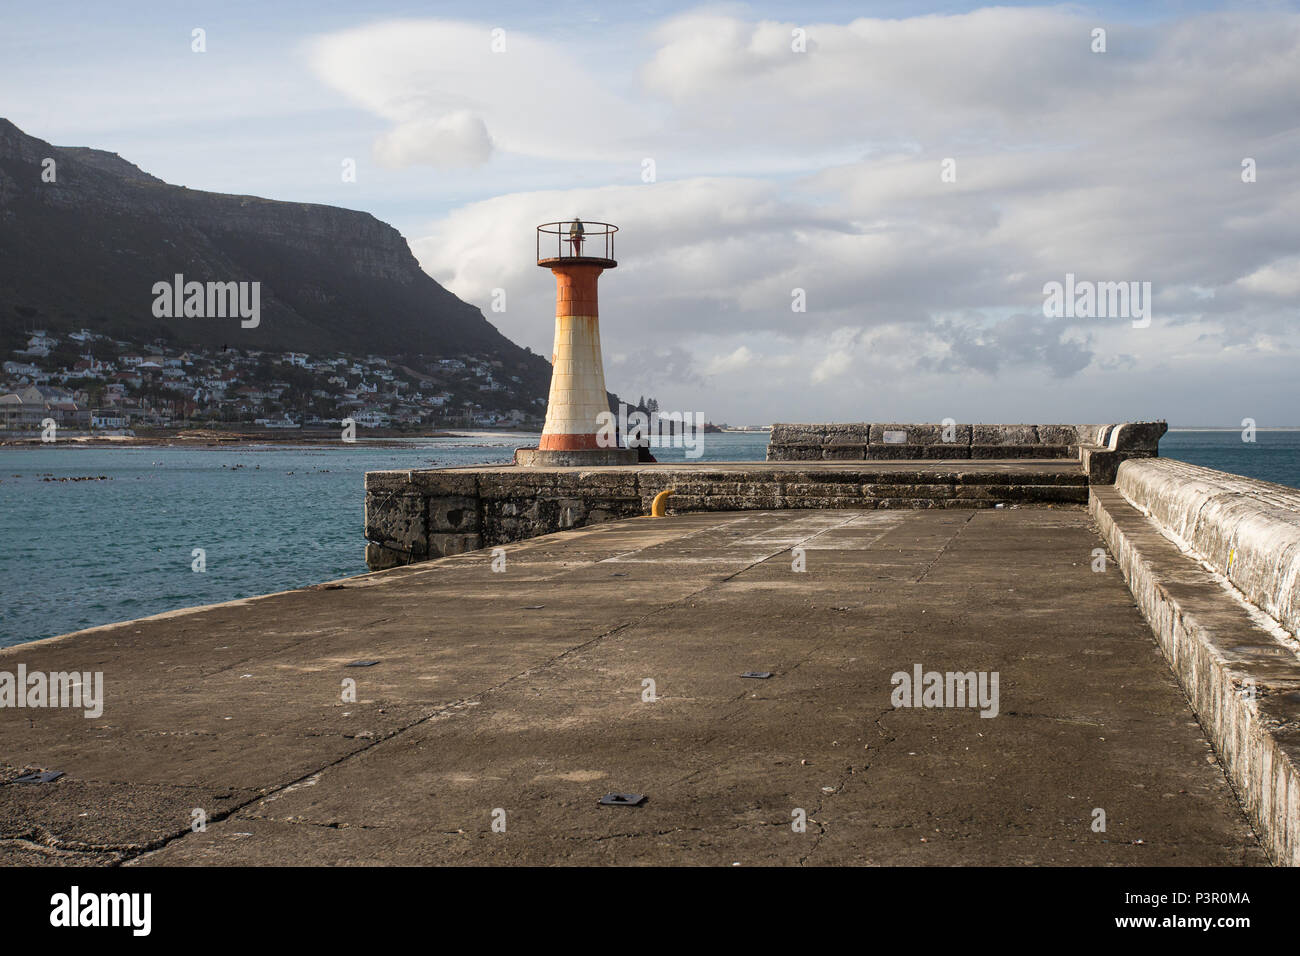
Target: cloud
839, 356
451, 87
452, 141
820, 173
1018, 340
741, 358
1280, 278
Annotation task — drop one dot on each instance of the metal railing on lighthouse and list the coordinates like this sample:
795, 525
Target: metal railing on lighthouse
575, 239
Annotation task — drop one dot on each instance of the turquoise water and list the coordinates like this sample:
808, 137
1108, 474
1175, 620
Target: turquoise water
1273, 456
76, 554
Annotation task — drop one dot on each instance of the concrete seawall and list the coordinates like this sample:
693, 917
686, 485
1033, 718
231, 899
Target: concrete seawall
1211, 559
1098, 448
412, 516
892, 441
416, 515
1248, 530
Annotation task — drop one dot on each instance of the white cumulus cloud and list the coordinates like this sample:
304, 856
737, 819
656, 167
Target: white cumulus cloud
452, 141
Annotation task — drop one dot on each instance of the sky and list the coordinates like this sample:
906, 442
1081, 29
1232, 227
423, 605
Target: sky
827, 211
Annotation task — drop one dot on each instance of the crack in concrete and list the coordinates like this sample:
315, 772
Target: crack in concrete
729, 706
1063, 720
946, 545
53, 851
633, 834
477, 697
40, 836
744, 694
821, 826
331, 825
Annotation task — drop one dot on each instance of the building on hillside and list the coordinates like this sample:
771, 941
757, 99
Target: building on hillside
23, 369
107, 418
90, 367
372, 418
17, 415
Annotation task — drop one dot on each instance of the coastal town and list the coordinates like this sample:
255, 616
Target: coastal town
90, 383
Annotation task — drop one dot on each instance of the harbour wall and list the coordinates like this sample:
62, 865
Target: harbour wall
1213, 560
413, 516
1098, 448
416, 515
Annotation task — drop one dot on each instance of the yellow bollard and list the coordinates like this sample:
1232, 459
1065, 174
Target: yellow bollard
660, 503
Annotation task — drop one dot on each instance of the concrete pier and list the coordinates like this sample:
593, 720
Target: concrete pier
520, 695
532, 644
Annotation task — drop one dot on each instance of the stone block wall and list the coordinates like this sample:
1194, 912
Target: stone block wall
885, 442
1099, 448
416, 515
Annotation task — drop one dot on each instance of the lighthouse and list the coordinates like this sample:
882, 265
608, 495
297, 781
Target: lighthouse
577, 253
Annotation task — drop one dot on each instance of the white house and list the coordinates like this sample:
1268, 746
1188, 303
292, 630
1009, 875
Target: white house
107, 418
21, 368
372, 418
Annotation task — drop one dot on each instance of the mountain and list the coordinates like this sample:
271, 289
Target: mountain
86, 250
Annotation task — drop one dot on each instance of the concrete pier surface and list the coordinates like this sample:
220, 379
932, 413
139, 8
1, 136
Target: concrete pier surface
520, 695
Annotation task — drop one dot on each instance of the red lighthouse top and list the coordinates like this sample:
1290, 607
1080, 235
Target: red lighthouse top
575, 242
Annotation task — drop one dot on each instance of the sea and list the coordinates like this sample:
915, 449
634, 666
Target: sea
92, 535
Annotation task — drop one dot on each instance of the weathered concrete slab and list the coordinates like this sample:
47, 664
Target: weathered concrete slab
522, 691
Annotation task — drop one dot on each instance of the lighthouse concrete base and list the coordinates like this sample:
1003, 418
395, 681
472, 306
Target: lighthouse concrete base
577, 457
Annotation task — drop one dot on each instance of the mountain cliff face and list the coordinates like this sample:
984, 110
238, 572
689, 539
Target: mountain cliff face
86, 250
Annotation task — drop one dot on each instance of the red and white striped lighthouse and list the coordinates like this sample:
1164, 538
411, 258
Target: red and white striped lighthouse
572, 434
